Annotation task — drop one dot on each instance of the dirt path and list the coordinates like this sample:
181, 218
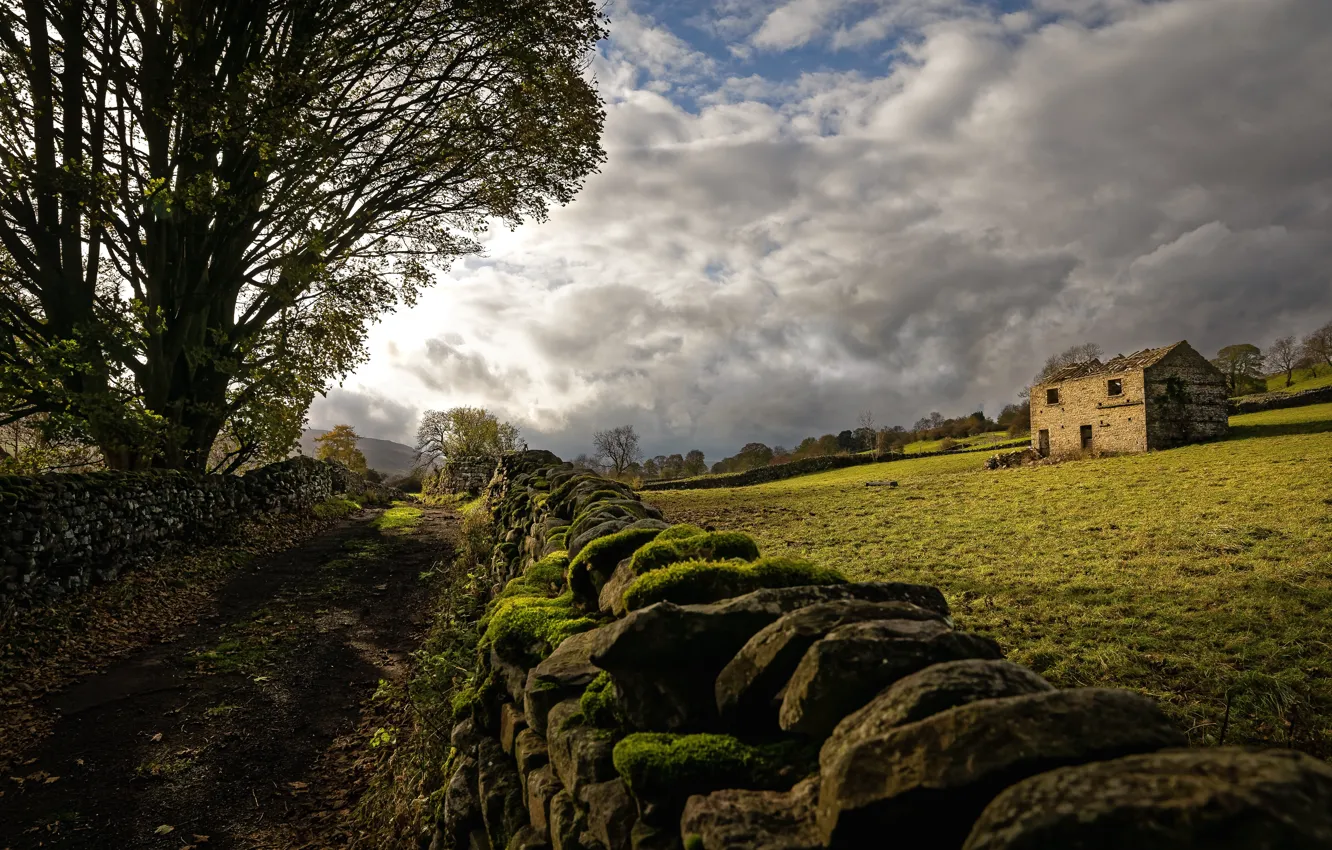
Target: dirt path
225, 736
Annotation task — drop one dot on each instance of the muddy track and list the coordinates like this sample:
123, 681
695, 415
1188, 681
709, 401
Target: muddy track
222, 735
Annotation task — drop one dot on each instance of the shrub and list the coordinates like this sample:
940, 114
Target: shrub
698, 582
947, 444
705, 546
656, 764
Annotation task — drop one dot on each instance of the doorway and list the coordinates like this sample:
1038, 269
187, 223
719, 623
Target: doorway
1086, 438
1043, 442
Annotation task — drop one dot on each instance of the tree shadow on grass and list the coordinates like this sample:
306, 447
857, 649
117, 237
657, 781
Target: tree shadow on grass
1244, 432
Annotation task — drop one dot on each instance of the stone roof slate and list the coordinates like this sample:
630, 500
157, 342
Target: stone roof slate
1115, 366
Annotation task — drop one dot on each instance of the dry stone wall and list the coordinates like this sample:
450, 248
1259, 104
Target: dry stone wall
1280, 401
642, 685
61, 532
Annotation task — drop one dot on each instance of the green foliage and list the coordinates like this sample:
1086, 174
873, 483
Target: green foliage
705, 546
340, 444
296, 222
694, 582
335, 507
464, 432
1173, 573
528, 628
598, 703
656, 764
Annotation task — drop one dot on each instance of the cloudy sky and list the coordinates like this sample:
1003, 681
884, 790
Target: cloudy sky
812, 208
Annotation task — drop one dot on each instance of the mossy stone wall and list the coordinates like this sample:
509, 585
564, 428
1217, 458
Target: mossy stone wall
61, 532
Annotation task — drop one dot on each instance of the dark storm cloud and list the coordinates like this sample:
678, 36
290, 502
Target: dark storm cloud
790, 253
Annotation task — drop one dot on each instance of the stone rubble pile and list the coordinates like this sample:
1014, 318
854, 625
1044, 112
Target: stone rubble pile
798, 715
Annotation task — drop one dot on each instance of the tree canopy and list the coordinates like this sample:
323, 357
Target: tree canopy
464, 432
206, 203
340, 444
617, 447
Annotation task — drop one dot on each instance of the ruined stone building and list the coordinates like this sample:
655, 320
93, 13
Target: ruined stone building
1154, 399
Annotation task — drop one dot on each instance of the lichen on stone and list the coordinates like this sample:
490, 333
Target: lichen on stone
696, 581
680, 531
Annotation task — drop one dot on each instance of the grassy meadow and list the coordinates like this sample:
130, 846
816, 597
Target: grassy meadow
1303, 380
1200, 575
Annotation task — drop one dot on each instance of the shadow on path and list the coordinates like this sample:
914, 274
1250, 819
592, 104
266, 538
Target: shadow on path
209, 738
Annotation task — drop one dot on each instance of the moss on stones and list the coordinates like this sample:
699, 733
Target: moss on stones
597, 560
598, 703
703, 546
681, 531
546, 578
526, 629
696, 582
657, 764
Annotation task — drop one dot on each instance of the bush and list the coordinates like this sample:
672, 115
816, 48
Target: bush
947, 444
704, 546
701, 582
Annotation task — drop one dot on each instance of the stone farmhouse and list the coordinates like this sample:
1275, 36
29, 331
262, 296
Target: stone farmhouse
1154, 399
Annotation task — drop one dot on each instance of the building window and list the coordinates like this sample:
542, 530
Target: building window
1115, 386
1052, 395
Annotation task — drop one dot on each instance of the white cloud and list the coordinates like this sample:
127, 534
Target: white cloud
794, 251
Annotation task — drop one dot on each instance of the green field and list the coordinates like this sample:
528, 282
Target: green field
979, 441
1200, 575
1303, 381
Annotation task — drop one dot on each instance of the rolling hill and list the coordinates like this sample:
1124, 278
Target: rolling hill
386, 456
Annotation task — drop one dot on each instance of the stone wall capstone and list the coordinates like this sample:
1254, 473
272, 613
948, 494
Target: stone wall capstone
644, 686
61, 532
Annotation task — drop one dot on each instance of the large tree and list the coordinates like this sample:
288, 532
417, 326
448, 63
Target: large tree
340, 444
205, 203
617, 448
1317, 346
464, 432
1283, 355
1242, 365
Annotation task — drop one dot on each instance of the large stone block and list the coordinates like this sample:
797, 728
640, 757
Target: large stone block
665, 658
747, 687
564, 674
842, 672
580, 754
611, 812
771, 820
936, 688
930, 780
1225, 799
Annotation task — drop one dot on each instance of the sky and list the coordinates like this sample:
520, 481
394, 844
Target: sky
814, 208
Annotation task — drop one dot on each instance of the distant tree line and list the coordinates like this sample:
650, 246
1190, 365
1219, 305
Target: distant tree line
1245, 366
